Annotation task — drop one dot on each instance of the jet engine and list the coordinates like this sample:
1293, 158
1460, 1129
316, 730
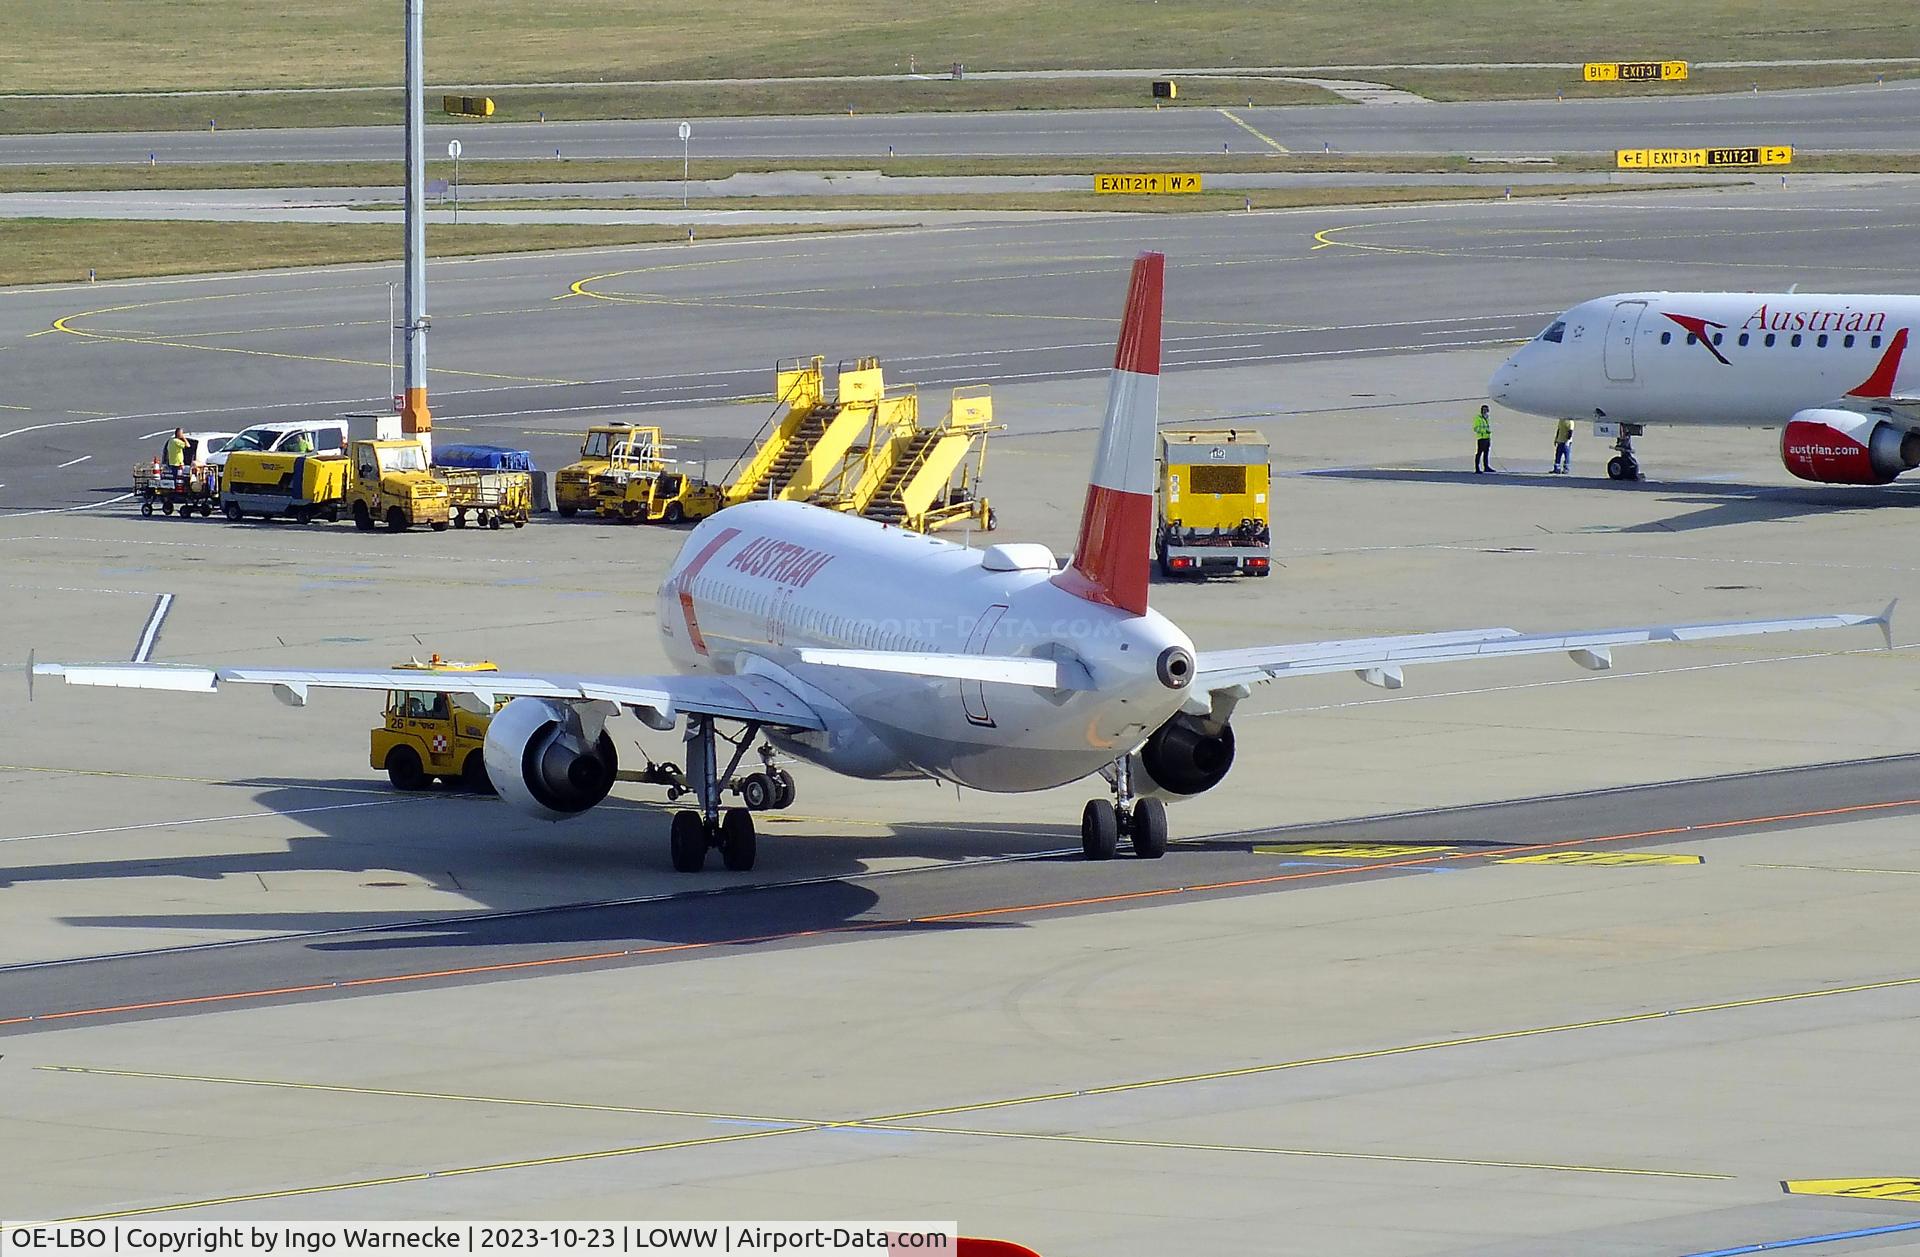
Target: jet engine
1186, 756
542, 760
1844, 447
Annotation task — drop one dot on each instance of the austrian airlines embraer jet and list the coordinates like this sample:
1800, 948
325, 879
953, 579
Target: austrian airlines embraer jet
1824, 367
879, 653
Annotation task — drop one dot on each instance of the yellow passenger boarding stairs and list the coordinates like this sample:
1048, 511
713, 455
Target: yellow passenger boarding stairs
932, 476
863, 451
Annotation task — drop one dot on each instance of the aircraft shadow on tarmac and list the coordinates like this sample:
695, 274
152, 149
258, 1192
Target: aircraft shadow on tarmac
607, 873
1722, 504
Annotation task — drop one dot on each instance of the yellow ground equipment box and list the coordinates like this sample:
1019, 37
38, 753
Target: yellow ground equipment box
667, 497
388, 482
573, 484
303, 487
425, 734
1213, 503
489, 498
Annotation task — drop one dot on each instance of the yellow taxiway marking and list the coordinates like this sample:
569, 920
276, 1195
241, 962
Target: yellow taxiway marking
1252, 130
65, 324
579, 288
197, 781
1837, 868
1342, 851
1318, 1153
1604, 858
1907, 1189
786, 1126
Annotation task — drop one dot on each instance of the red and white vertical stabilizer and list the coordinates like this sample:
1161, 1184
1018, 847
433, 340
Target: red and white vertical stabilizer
1110, 563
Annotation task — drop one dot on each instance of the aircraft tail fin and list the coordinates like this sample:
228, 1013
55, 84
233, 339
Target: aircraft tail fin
1111, 561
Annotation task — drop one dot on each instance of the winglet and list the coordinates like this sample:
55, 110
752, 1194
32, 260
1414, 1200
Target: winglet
1885, 621
1880, 383
1110, 561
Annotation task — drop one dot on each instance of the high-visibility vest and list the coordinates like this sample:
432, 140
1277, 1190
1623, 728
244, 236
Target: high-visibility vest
1563, 433
176, 452
1482, 427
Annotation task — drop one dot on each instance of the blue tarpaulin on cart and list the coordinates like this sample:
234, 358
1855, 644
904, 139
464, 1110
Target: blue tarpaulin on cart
483, 457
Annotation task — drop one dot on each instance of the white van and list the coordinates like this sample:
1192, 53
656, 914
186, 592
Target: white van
325, 436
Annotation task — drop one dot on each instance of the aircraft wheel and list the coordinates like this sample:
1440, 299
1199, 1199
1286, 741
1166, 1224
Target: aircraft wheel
688, 840
1147, 828
784, 791
1099, 830
405, 771
758, 792
738, 845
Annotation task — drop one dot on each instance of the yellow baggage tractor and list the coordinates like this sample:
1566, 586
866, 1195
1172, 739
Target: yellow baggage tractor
491, 498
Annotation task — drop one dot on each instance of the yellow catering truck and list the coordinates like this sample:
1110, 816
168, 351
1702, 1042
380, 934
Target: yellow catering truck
389, 482
426, 735
573, 485
1213, 503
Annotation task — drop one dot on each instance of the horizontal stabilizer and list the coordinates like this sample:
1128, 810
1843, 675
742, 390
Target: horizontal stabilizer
1042, 674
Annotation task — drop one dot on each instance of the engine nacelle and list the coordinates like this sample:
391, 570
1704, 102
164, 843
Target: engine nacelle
1186, 756
1842, 447
543, 763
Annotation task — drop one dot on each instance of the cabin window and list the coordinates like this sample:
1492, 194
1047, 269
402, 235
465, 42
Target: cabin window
1743, 340
1769, 340
1692, 339
1717, 338
1876, 342
1795, 342
1554, 332
1848, 342
1820, 342
1666, 338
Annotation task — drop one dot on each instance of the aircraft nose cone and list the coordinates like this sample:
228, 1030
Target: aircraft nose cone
1501, 386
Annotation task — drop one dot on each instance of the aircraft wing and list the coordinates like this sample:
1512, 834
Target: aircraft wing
1379, 660
659, 699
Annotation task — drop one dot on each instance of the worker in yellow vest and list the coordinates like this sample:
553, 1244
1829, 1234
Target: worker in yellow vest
1483, 442
176, 453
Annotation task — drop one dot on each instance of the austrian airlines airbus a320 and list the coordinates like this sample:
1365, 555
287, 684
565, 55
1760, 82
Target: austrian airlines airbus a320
879, 653
1823, 367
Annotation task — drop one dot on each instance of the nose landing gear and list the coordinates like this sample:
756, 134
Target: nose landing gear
1623, 465
1143, 822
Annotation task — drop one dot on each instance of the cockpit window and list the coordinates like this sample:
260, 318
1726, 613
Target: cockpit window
1555, 332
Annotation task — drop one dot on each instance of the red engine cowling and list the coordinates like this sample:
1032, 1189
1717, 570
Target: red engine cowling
1842, 447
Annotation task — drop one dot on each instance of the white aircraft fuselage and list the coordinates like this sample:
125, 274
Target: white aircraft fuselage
757, 583
1709, 358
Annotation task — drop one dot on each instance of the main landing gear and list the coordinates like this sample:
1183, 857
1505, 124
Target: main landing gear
730, 830
1623, 465
1143, 822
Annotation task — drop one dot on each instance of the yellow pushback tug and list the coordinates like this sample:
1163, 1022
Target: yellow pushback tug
425, 734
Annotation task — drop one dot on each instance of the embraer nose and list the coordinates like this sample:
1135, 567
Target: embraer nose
1506, 379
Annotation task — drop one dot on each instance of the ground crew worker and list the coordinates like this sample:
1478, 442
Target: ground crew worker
302, 444
176, 455
1563, 447
1483, 442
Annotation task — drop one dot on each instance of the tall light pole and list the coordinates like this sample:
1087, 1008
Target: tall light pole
415, 420
686, 161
